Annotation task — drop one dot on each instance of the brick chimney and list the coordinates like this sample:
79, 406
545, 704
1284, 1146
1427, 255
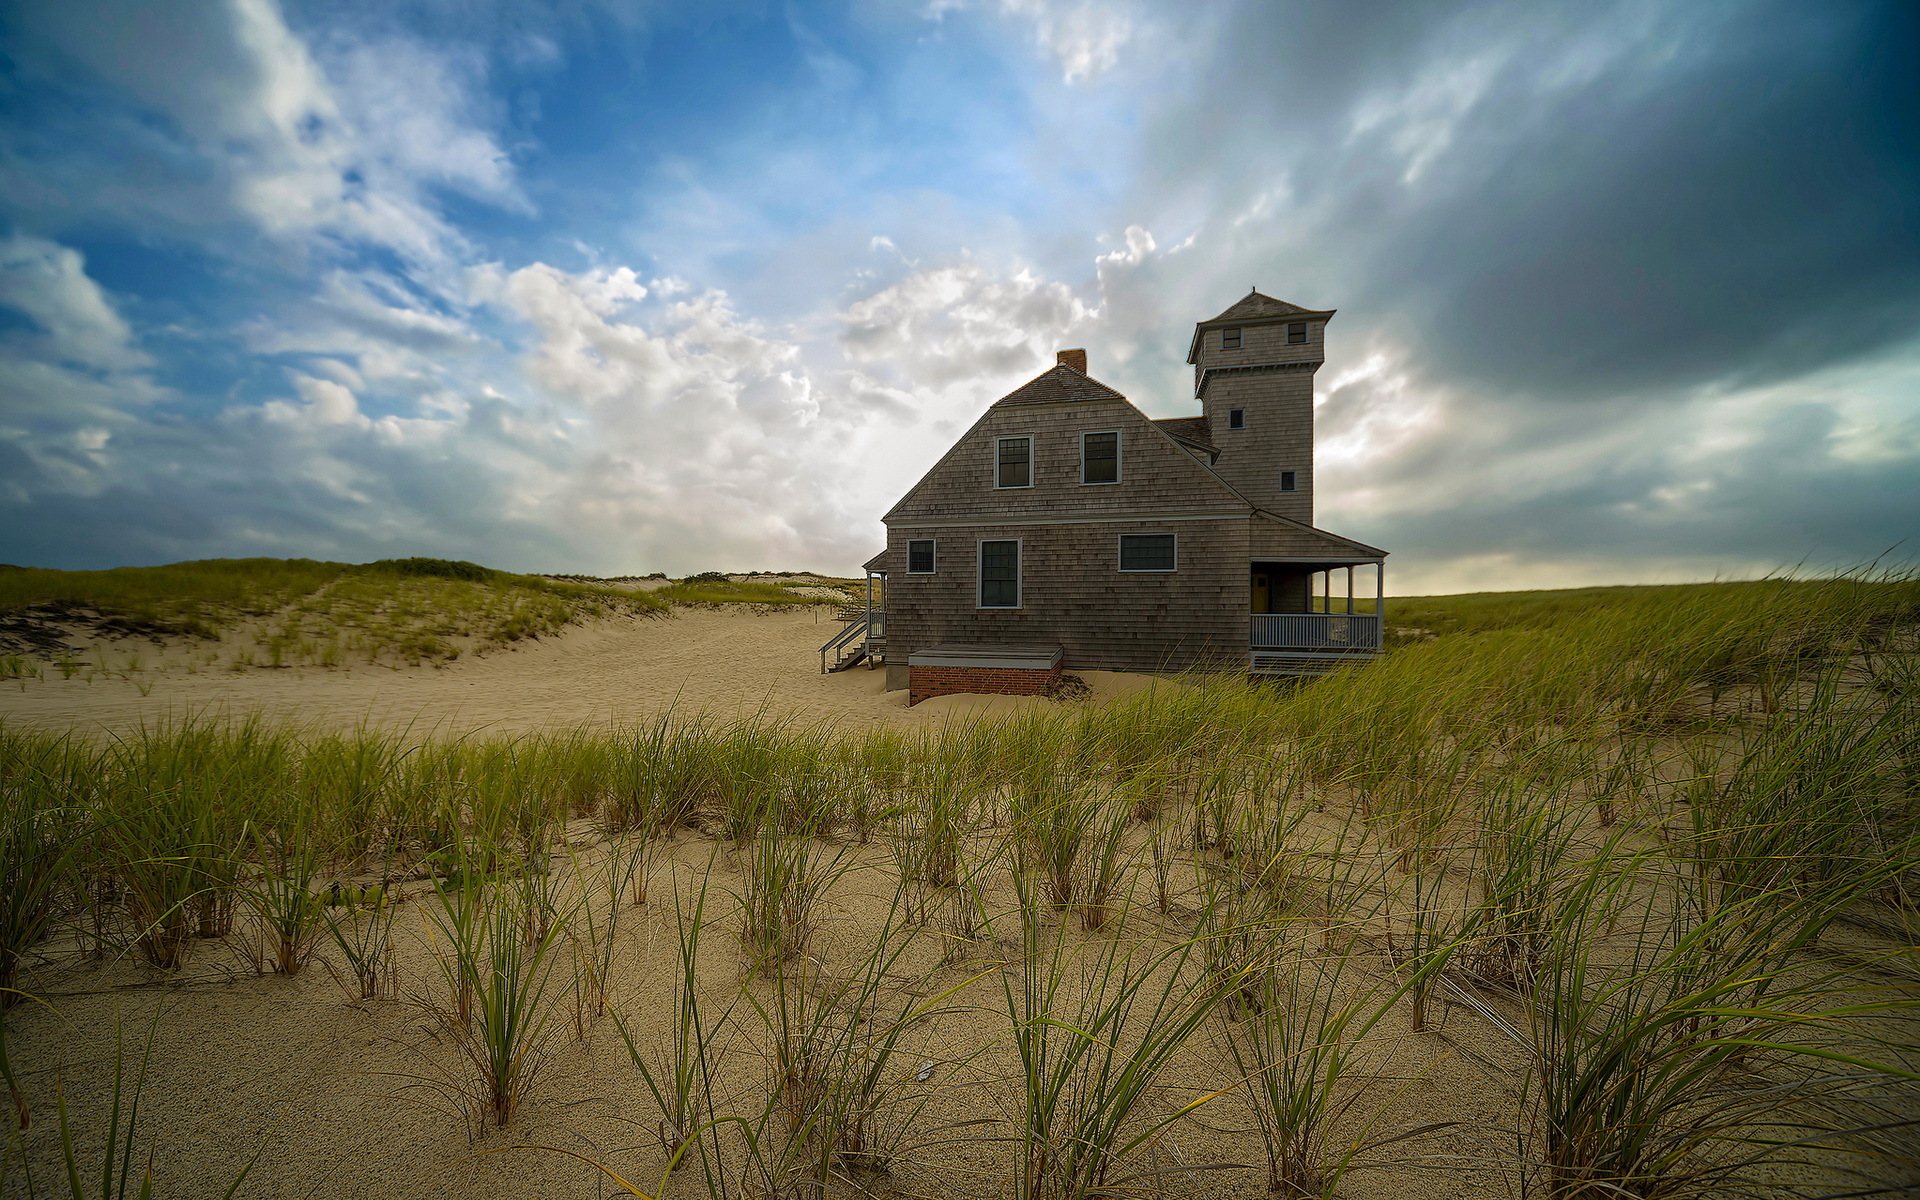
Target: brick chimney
1077, 359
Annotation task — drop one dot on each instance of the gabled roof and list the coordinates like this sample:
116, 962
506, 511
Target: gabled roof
1057, 385
877, 563
1063, 384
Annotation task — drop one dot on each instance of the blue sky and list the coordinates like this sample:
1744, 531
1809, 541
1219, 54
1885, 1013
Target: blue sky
1627, 291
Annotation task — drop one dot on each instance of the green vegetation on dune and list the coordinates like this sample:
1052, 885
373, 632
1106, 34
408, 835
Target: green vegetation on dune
194, 598
287, 612
726, 592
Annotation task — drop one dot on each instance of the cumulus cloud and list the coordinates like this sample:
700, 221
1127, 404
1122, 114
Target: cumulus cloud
960, 322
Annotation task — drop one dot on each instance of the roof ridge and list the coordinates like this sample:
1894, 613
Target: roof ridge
1058, 383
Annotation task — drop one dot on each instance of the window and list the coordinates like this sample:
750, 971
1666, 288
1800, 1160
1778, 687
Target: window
1099, 458
1014, 463
1296, 333
1229, 339
1146, 552
1000, 574
1236, 418
1286, 481
920, 558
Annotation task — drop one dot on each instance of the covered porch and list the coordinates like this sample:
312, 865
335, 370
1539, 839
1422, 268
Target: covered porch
1307, 616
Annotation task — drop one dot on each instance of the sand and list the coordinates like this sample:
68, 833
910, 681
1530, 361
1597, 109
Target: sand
730, 662
330, 1096
342, 1098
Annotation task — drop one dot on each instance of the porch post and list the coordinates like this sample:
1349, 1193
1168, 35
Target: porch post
1380, 599
1349, 591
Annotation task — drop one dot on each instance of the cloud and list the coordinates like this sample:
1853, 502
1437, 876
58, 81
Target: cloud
48, 284
345, 143
956, 322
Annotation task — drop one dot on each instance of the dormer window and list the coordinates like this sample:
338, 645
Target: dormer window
1236, 418
1229, 339
1296, 333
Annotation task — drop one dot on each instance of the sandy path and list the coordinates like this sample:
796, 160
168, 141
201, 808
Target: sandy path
729, 662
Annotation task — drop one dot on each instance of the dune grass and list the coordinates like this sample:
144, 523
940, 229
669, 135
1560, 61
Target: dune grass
269, 613
1646, 841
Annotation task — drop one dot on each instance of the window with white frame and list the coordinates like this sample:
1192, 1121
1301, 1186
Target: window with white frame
920, 557
1100, 457
1000, 573
1147, 552
1013, 462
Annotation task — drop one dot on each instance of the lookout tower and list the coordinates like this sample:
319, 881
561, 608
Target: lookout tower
1253, 368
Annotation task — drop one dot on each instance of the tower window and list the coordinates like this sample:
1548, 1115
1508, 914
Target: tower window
1286, 481
1014, 467
1229, 339
1296, 333
920, 558
1236, 418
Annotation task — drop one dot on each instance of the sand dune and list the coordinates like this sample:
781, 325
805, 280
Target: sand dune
730, 662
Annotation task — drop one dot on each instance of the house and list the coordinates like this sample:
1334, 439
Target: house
1067, 530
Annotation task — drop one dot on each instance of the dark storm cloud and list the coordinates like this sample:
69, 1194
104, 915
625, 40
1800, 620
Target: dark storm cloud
1744, 505
1576, 201
1573, 232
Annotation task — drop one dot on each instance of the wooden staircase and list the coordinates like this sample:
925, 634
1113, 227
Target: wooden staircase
857, 642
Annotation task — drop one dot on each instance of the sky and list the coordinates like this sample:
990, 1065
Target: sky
1627, 292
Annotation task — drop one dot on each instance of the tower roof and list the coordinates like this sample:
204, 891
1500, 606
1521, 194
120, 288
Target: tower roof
1253, 309
1253, 306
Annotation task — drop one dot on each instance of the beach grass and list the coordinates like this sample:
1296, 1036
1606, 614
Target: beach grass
1656, 848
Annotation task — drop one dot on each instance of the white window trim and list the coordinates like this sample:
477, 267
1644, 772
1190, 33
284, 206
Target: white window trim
1117, 559
1032, 465
1119, 459
935, 543
1019, 574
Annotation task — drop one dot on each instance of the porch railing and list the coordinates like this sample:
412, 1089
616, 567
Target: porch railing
1316, 631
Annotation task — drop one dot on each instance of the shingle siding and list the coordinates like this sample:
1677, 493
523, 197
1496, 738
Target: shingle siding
1074, 594
1278, 437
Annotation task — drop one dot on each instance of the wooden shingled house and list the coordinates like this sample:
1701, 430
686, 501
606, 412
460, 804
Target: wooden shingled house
1067, 530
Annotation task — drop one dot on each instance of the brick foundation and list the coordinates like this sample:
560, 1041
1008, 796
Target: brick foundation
924, 683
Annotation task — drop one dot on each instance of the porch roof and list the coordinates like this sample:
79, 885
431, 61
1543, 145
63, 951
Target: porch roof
1280, 539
